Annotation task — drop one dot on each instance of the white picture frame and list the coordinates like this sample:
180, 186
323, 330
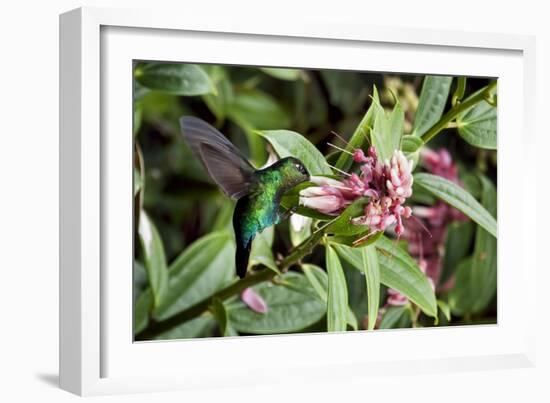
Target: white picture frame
97, 356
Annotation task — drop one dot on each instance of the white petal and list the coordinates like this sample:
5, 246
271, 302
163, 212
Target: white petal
299, 222
324, 181
312, 191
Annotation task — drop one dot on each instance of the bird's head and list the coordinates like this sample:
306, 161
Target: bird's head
293, 171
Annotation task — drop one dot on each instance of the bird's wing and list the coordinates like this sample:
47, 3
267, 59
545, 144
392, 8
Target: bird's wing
223, 161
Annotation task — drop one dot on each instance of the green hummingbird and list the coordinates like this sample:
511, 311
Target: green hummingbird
258, 191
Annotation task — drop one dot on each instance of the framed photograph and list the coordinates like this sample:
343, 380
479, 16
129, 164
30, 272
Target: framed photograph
243, 203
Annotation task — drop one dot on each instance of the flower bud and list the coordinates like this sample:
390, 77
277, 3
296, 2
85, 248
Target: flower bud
359, 156
325, 199
328, 204
395, 298
253, 300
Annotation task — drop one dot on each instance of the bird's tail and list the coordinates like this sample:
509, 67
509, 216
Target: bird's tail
241, 257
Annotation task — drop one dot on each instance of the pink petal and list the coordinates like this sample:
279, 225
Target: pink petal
325, 181
373, 220
446, 158
395, 298
372, 152
395, 178
388, 220
323, 204
312, 191
253, 300
359, 156
371, 193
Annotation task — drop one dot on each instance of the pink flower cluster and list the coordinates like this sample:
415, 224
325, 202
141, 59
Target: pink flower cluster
388, 184
439, 163
426, 237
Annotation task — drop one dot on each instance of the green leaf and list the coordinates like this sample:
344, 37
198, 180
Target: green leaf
249, 108
230, 331
356, 241
372, 276
484, 265
337, 303
154, 258
292, 306
388, 130
421, 196
310, 104
411, 144
282, 73
398, 271
297, 236
478, 125
357, 292
443, 307
142, 309
224, 217
401, 272
253, 110
457, 245
395, 127
175, 78
289, 202
201, 326
346, 89
343, 225
359, 136
138, 182
138, 114
261, 252
471, 184
458, 198
220, 313
291, 144
461, 296
220, 101
203, 268
139, 92
163, 110
140, 281
396, 317
433, 97
257, 110
318, 279
476, 277
351, 320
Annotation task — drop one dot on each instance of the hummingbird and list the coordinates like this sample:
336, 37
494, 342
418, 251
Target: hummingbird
258, 191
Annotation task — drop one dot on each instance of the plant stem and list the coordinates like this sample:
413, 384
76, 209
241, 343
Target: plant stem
456, 110
156, 328
459, 92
